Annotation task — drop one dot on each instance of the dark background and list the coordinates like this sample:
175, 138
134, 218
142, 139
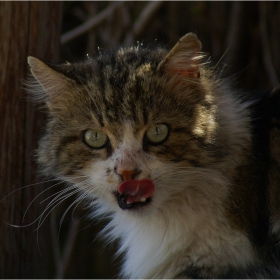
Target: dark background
242, 40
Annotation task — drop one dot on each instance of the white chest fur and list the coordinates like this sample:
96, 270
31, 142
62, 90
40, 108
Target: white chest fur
163, 244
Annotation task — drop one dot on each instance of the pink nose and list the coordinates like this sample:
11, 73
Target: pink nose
127, 174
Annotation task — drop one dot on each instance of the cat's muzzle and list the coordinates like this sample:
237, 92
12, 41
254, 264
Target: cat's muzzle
132, 194
122, 201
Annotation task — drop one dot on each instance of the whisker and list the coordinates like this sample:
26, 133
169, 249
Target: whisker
23, 187
33, 222
221, 58
58, 194
37, 197
80, 198
89, 211
86, 194
53, 205
77, 206
55, 202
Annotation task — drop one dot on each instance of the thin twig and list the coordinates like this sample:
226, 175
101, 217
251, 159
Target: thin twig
69, 245
91, 41
127, 24
146, 15
266, 50
233, 37
91, 23
80, 14
54, 237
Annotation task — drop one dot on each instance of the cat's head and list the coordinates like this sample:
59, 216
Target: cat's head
131, 128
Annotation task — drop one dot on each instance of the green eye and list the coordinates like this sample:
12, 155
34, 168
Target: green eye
95, 139
157, 134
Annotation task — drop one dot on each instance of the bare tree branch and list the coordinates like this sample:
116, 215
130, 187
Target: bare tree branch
69, 245
127, 24
54, 237
265, 44
91, 40
146, 15
80, 14
233, 37
91, 23
142, 21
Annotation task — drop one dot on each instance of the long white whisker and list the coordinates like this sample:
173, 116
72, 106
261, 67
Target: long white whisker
23, 187
78, 205
33, 222
55, 202
53, 205
80, 198
37, 197
85, 185
221, 57
58, 194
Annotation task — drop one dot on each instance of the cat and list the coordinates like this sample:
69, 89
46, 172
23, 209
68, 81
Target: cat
186, 168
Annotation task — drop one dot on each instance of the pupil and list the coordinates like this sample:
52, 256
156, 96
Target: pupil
157, 130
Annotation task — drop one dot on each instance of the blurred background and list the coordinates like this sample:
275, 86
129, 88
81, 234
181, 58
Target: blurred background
242, 36
242, 40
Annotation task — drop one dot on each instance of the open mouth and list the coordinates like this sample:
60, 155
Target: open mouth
125, 204
133, 194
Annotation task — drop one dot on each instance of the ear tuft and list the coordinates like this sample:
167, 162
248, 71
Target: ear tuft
184, 58
43, 73
34, 62
48, 85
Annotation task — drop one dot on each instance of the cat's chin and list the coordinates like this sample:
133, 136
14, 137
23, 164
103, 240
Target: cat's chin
125, 205
134, 194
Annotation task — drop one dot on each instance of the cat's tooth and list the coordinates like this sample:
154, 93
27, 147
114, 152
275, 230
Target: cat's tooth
142, 199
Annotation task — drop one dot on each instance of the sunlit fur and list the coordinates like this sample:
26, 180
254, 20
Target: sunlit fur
212, 213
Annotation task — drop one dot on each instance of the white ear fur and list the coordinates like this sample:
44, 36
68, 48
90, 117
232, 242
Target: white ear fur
50, 80
184, 57
48, 84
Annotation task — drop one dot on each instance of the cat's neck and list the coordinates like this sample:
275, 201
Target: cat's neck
175, 237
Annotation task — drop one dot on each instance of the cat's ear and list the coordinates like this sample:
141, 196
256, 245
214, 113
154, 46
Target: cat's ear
184, 58
49, 84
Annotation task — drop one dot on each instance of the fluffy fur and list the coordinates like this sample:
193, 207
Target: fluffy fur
215, 209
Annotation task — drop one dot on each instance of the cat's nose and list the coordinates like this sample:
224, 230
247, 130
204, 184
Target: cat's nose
127, 174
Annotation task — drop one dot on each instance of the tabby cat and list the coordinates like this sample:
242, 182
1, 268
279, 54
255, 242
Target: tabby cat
186, 168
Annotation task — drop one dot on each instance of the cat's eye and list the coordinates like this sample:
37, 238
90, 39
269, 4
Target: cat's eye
157, 133
95, 139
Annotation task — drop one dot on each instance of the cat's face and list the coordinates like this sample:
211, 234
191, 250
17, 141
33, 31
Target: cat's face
128, 129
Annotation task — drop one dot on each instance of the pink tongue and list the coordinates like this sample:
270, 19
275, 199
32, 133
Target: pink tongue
136, 190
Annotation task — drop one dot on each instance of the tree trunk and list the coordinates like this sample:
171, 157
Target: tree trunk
25, 28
